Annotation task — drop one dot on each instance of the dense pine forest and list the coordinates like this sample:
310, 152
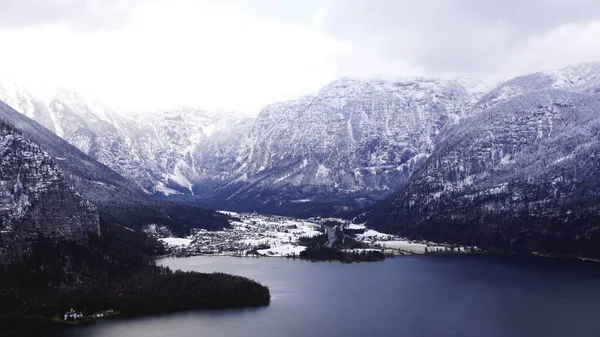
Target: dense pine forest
332, 254
113, 271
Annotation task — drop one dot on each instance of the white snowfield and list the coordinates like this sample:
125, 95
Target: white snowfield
176, 242
356, 226
372, 234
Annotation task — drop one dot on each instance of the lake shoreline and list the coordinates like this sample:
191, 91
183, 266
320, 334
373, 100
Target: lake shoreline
399, 254
294, 291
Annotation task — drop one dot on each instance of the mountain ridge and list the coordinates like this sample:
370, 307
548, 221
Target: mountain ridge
350, 137
520, 175
117, 198
336, 151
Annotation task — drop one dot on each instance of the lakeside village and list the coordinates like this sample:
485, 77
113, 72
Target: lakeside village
75, 317
277, 236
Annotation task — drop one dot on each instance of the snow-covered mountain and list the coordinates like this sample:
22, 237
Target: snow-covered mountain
522, 175
351, 143
583, 77
117, 199
152, 148
187, 142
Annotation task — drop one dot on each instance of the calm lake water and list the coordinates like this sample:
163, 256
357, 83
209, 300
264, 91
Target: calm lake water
425, 296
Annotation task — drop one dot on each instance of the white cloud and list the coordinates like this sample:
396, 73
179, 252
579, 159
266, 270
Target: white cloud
244, 54
563, 45
484, 39
177, 53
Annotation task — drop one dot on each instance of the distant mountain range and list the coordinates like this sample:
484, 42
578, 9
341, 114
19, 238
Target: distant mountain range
152, 148
343, 148
513, 167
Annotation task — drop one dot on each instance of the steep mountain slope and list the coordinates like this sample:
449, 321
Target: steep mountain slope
522, 175
117, 198
583, 78
188, 142
91, 127
154, 149
36, 199
351, 143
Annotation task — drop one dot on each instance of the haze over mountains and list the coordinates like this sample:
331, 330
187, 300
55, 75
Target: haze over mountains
346, 146
522, 152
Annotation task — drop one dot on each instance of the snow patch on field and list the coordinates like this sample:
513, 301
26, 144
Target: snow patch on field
408, 246
176, 242
356, 226
373, 234
301, 200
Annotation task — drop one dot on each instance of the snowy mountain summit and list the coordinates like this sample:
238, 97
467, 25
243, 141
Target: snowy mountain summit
583, 77
343, 148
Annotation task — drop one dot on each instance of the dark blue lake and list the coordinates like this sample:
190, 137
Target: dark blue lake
425, 296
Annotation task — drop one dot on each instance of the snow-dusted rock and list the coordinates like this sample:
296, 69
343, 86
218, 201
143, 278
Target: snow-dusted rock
583, 78
521, 175
352, 142
118, 199
154, 149
36, 199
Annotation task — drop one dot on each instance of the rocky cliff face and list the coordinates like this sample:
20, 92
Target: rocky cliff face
522, 175
36, 199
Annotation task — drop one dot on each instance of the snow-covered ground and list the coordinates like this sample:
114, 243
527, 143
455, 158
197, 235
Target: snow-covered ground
176, 242
267, 235
392, 243
271, 235
283, 250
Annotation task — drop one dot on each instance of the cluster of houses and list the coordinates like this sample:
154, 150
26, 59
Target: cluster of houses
73, 315
249, 233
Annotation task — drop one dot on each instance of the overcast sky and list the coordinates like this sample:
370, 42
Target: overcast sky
244, 54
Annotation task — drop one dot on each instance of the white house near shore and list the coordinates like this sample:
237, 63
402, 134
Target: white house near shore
72, 315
